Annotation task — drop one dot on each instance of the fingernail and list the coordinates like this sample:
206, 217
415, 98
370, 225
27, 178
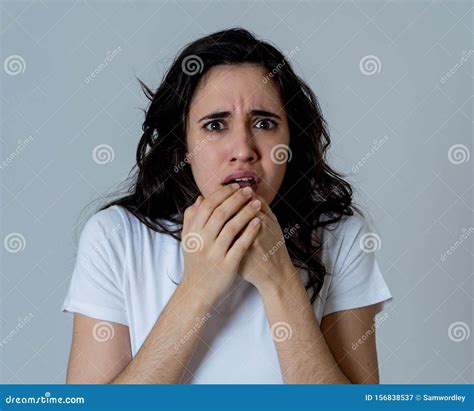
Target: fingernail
247, 191
255, 203
235, 186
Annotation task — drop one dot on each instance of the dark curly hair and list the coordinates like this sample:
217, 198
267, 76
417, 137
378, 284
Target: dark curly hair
310, 189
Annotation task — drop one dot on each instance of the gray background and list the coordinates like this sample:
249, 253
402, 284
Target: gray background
417, 192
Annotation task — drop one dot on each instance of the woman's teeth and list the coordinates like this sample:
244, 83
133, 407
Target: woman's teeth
243, 182
242, 179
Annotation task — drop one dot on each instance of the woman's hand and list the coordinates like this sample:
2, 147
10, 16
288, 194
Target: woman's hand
267, 260
210, 226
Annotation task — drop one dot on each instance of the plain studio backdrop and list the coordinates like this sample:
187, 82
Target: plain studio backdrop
394, 80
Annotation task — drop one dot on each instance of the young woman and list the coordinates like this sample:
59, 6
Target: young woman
238, 255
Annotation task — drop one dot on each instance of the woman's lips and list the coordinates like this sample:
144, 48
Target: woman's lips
254, 186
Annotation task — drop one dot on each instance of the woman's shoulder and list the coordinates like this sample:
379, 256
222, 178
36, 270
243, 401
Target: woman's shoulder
103, 229
118, 219
349, 235
347, 226
111, 216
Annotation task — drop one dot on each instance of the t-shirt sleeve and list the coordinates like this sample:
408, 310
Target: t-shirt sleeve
96, 287
356, 279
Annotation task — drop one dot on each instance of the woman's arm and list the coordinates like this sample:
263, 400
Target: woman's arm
350, 335
304, 354
209, 270
161, 359
99, 351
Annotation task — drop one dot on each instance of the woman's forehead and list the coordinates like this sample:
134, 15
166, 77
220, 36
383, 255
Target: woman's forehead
235, 88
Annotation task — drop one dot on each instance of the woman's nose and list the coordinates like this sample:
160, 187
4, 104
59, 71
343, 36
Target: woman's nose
243, 146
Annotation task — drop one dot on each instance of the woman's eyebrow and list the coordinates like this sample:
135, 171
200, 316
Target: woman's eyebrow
224, 114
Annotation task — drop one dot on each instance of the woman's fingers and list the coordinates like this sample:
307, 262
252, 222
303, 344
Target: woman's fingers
225, 211
208, 204
243, 243
265, 207
225, 216
189, 213
237, 224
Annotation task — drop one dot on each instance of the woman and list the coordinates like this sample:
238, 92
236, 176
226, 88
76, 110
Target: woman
237, 256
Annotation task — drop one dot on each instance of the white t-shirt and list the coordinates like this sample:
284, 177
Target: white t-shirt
125, 272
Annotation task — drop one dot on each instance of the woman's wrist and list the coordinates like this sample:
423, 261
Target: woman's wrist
198, 298
275, 283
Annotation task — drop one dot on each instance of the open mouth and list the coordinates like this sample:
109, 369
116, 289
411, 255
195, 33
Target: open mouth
244, 182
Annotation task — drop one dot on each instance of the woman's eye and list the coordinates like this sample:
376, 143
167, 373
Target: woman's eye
210, 126
267, 124
217, 125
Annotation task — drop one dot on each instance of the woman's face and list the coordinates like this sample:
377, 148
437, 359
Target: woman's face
234, 122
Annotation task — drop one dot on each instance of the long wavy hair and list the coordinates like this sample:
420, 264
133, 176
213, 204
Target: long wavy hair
310, 189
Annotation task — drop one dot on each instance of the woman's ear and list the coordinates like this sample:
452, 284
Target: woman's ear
186, 159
